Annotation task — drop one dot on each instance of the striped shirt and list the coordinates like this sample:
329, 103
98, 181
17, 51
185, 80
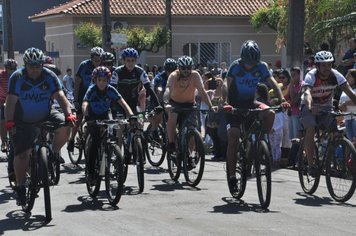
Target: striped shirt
3, 85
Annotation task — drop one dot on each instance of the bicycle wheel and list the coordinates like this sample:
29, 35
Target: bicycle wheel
93, 182
240, 173
174, 165
138, 157
45, 182
341, 170
193, 158
155, 149
31, 184
54, 167
263, 174
114, 175
76, 156
308, 183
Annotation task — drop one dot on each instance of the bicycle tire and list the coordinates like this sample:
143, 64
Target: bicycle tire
54, 167
93, 185
308, 183
240, 173
79, 143
42, 154
263, 168
114, 189
341, 169
174, 165
138, 156
193, 160
33, 184
156, 159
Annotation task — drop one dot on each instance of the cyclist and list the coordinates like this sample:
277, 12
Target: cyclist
107, 60
180, 93
51, 66
317, 96
10, 66
32, 88
129, 79
81, 84
160, 80
96, 105
242, 78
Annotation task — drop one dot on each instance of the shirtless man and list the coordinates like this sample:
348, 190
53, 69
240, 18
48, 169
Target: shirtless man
180, 93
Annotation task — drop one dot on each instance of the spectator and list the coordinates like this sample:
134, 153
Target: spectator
278, 64
223, 69
354, 67
68, 83
154, 70
345, 104
348, 61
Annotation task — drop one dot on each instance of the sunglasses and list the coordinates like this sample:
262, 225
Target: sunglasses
185, 67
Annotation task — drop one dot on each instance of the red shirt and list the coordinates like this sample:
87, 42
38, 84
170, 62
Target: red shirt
3, 85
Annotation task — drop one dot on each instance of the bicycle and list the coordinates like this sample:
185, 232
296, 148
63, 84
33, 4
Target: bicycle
189, 155
38, 175
133, 141
108, 164
156, 141
253, 155
80, 142
334, 156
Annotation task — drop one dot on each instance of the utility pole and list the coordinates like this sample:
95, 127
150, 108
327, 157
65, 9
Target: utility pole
295, 33
169, 27
106, 25
8, 27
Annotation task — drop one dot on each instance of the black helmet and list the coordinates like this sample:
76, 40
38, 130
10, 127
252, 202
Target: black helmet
250, 52
170, 64
33, 56
10, 64
107, 57
185, 61
96, 51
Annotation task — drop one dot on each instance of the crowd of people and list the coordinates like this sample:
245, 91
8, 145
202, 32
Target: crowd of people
99, 88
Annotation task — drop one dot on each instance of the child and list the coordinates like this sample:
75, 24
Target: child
96, 105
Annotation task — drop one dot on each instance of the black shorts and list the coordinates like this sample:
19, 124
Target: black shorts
234, 121
25, 135
188, 116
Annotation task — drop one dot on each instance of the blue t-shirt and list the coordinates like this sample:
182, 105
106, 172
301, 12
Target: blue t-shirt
244, 82
85, 71
160, 80
34, 97
100, 101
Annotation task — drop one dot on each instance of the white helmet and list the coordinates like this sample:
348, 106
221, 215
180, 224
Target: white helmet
324, 56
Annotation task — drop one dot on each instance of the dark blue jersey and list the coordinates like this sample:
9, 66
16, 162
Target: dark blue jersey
244, 82
85, 71
160, 80
34, 96
101, 101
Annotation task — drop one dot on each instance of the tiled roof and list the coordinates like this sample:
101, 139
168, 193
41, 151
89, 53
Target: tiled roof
157, 8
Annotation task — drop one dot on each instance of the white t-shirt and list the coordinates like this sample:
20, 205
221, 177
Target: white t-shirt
322, 91
349, 108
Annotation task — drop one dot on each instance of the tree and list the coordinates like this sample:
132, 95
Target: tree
325, 20
142, 40
88, 34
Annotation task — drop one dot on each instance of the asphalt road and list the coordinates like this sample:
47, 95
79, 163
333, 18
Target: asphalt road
173, 208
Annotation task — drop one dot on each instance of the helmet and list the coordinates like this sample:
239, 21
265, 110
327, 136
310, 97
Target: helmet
170, 64
48, 60
185, 61
101, 71
250, 52
96, 51
107, 57
323, 56
129, 52
10, 63
33, 56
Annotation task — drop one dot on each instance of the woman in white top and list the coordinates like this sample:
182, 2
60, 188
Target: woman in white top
348, 106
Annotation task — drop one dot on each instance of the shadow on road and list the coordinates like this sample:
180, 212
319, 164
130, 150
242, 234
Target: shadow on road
154, 170
3, 159
71, 169
6, 195
91, 204
81, 180
312, 200
234, 206
20, 220
171, 185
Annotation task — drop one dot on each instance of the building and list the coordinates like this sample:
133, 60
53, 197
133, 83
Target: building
208, 30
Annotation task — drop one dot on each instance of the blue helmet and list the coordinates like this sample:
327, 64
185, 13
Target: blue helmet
129, 52
33, 56
250, 52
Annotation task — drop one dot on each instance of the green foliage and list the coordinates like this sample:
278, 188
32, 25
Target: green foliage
267, 17
88, 34
142, 40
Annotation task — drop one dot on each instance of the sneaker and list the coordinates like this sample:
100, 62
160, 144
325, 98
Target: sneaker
232, 182
70, 146
191, 163
21, 195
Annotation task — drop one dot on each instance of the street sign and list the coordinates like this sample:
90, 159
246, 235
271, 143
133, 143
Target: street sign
118, 40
